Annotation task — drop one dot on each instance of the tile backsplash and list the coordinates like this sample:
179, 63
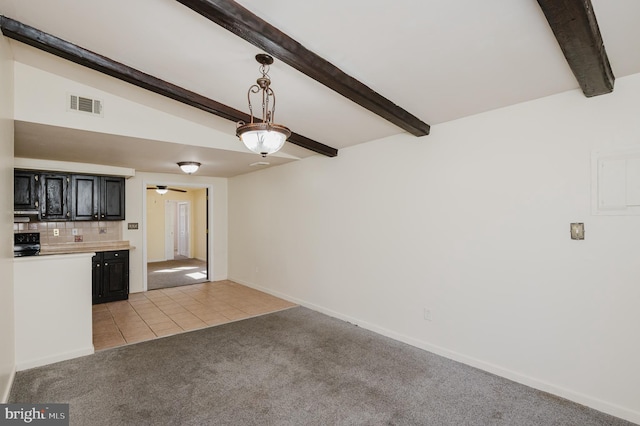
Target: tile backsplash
70, 232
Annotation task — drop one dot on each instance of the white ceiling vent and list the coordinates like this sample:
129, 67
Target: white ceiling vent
84, 104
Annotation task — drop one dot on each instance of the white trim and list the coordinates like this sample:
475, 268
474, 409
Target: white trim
32, 363
595, 403
7, 390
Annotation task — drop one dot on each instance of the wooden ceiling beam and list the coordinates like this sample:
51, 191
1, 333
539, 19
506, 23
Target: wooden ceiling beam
574, 24
63, 49
240, 21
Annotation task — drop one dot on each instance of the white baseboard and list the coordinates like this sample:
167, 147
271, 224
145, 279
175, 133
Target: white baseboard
6, 388
38, 362
595, 403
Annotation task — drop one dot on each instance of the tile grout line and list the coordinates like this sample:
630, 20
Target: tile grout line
200, 295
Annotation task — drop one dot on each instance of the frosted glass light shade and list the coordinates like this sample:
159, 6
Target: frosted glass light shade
263, 138
189, 167
162, 190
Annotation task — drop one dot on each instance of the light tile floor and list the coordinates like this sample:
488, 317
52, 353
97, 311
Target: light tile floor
163, 312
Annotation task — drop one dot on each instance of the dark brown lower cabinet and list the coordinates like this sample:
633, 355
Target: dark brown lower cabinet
110, 276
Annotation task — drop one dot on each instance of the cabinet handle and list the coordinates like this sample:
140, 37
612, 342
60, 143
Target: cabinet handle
102, 215
97, 265
68, 214
116, 254
106, 264
37, 177
36, 204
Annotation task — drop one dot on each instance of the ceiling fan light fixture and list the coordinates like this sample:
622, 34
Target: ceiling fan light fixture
161, 189
189, 167
264, 137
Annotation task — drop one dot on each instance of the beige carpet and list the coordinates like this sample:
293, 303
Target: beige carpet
174, 273
294, 367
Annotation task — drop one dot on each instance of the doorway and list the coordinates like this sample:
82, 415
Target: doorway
177, 237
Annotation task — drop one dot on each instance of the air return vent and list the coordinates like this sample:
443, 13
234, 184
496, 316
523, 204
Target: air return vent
84, 104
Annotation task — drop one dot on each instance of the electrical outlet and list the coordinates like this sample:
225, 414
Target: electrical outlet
74, 231
56, 232
427, 314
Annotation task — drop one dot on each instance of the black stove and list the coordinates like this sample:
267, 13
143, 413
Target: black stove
26, 244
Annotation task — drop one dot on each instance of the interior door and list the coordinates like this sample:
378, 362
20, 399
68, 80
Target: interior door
169, 221
183, 230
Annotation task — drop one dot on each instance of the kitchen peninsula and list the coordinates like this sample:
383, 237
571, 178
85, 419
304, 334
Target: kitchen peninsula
53, 299
52, 308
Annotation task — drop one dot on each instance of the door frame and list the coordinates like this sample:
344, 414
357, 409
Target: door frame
208, 225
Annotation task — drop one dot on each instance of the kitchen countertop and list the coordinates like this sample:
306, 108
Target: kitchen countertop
88, 247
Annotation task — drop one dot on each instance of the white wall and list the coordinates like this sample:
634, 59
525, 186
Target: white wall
136, 212
52, 309
41, 97
7, 329
471, 223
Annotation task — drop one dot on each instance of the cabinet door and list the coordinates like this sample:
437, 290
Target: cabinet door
54, 196
115, 275
25, 190
112, 198
84, 197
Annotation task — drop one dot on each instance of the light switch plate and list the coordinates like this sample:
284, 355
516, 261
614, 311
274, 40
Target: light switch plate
577, 231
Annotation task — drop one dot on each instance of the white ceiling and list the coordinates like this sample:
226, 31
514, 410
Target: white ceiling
438, 60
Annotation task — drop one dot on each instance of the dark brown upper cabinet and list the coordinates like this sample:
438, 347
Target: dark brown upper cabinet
85, 193
97, 197
54, 196
26, 188
111, 198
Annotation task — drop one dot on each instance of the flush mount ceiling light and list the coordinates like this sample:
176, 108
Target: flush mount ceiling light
161, 189
189, 167
264, 137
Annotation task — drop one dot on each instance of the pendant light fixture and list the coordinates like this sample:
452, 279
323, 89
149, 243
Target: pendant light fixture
263, 137
189, 167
